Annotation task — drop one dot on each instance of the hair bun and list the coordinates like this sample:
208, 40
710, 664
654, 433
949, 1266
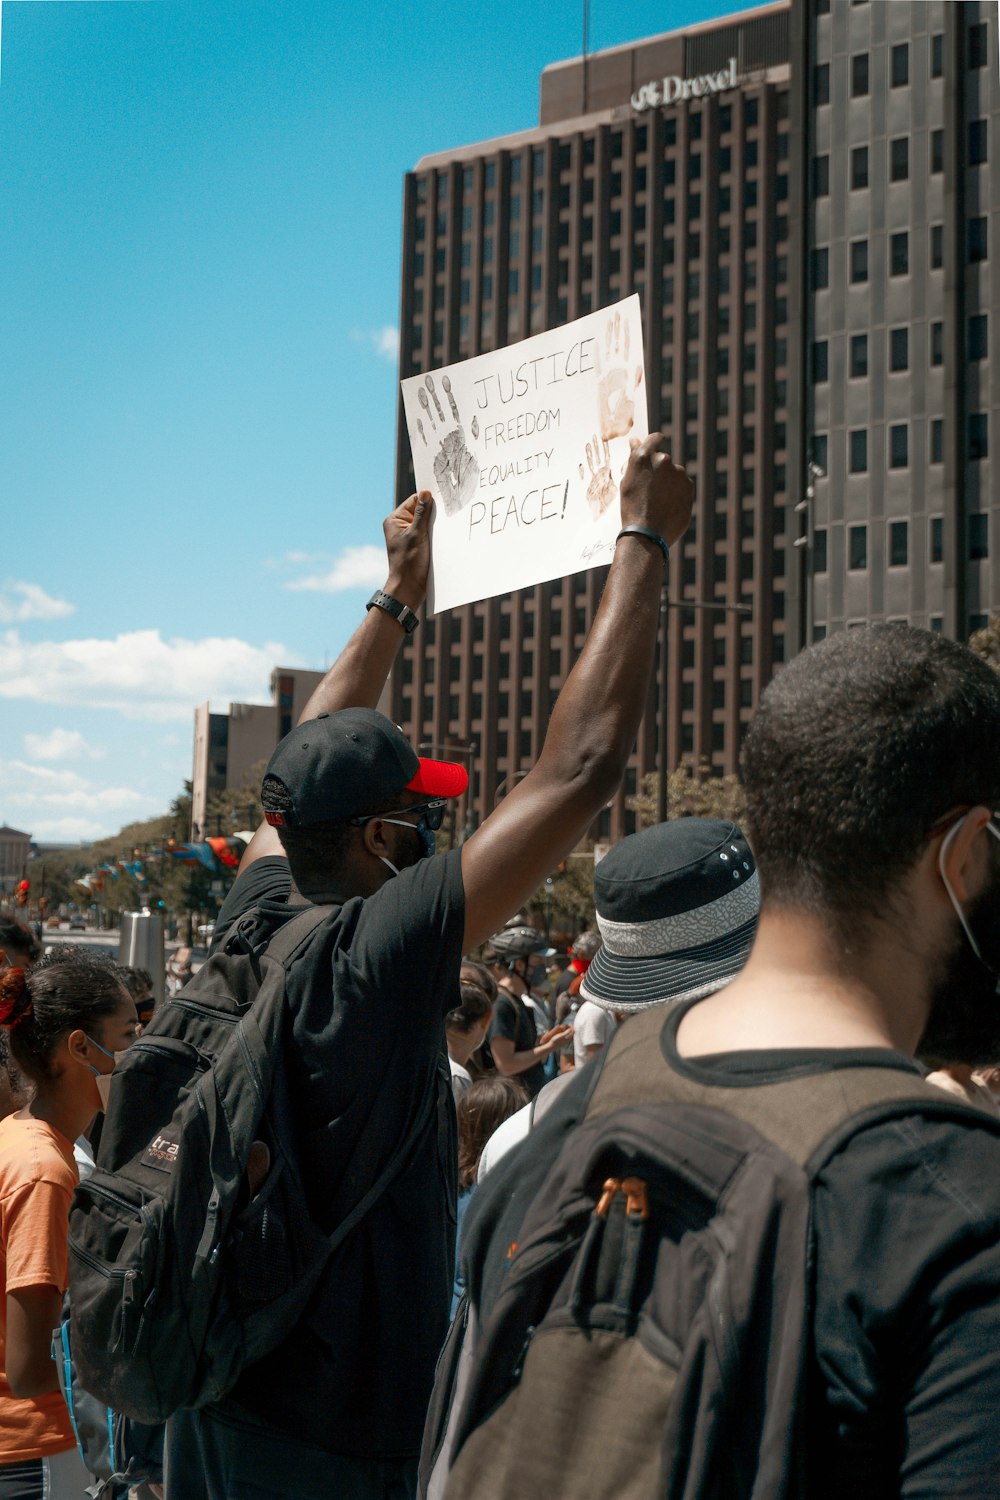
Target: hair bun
15, 1002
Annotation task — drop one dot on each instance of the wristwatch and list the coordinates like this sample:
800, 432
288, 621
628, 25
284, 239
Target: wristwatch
401, 612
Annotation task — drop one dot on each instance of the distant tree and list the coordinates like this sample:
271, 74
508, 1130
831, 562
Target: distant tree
986, 642
690, 794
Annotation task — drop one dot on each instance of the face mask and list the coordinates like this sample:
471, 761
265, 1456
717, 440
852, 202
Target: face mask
963, 1023
960, 914
426, 836
388, 864
103, 1079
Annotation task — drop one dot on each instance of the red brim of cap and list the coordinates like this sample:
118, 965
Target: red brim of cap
439, 778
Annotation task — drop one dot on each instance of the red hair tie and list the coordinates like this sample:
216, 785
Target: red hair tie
13, 986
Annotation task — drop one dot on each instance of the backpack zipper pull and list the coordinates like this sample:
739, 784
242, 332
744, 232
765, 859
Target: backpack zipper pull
612, 1187
208, 1233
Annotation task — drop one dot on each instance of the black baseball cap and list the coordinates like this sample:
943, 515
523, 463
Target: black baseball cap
343, 765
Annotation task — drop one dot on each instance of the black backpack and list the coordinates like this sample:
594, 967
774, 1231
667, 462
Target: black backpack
638, 1308
179, 1279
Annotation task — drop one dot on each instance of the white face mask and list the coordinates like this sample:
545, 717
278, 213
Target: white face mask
103, 1080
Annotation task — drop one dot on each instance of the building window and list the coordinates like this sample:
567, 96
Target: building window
899, 349
937, 150
899, 254
899, 447
976, 239
820, 451
898, 544
859, 261
819, 264
899, 158
977, 336
978, 534
857, 544
820, 361
859, 167
937, 343
937, 246
858, 451
821, 176
978, 46
937, 440
937, 539
937, 54
978, 435
821, 83
977, 142
899, 71
859, 356
859, 75
819, 550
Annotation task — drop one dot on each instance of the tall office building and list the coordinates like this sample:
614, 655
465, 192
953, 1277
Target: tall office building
719, 172
904, 396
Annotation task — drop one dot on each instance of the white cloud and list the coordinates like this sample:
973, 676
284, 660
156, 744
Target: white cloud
61, 744
384, 340
61, 805
66, 830
137, 673
29, 601
355, 568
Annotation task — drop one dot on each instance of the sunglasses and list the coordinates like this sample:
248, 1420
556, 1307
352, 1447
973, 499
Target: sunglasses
431, 814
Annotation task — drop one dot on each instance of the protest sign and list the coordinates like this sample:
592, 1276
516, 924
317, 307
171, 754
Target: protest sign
524, 449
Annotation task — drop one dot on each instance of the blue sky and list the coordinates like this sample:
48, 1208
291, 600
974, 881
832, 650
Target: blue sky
199, 244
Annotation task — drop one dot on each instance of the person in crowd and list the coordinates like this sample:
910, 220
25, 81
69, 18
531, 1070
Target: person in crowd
473, 972
516, 1046
19, 949
139, 983
568, 984
338, 1408
179, 969
480, 1062
465, 1031
642, 959
872, 781
593, 1028
482, 1109
64, 1022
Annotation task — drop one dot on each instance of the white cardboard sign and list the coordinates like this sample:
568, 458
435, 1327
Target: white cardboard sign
524, 449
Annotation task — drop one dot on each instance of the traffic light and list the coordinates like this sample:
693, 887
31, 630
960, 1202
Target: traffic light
23, 888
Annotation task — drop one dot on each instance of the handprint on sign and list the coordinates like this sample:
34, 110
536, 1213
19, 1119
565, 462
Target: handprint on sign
602, 490
616, 388
455, 468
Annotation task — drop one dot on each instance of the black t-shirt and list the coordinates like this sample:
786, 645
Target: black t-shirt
513, 1019
905, 1357
368, 999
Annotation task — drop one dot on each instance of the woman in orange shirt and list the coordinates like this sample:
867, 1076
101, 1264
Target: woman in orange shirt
63, 1023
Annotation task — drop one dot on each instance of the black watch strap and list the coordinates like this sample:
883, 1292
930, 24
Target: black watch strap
401, 612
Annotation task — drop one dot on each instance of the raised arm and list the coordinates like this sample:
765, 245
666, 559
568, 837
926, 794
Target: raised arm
358, 676
594, 722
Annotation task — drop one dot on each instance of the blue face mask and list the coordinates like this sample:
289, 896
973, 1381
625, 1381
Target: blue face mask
431, 815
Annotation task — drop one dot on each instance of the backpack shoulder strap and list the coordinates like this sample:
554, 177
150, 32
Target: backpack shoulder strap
805, 1115
293, 935
283, 947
